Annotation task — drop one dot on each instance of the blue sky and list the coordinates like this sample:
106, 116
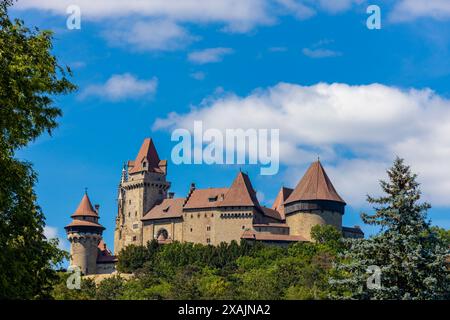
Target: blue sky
334, 88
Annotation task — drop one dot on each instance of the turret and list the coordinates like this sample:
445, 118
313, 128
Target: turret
84, 234
313, 201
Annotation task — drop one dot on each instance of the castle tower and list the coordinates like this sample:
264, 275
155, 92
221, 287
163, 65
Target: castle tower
314, 201
143, 185
84, 234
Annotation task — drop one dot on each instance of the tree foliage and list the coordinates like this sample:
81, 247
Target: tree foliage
227, 271
30, 76
410, 254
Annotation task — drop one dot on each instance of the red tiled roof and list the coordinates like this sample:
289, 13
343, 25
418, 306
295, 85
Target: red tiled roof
271, 213
146, 152
315, 185
83, 223
85, 208
168, 208
267, 236
104, 254
278, 204
205, 198
241, 193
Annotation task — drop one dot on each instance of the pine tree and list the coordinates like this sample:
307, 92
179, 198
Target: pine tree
408, 252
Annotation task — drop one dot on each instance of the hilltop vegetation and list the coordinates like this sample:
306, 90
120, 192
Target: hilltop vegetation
228, 271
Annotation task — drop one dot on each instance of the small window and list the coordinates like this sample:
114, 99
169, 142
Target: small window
134, 238
243, 227
129, 214
208, 228
135, 226
191, 229
208, 240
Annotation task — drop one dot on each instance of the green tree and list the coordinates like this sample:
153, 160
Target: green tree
29, 79
60, 291
111, 288
132, 258
408, 252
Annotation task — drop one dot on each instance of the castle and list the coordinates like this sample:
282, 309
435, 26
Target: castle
147, 210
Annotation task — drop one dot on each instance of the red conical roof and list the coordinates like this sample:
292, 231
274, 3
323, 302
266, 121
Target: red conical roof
315, 185
241, 193
85, 208
148, 153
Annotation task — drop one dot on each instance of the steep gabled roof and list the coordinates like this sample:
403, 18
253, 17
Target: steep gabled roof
241, 193
315, 185
85, 208
147, 153
282, 195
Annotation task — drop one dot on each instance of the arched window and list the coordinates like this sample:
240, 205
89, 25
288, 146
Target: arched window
162, 234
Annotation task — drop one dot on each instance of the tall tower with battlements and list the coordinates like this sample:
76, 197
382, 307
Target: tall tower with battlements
142, 185
84, 234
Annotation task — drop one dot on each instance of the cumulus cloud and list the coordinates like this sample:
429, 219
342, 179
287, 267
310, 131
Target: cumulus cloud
236, 14
408, 10
152, 35
357, 131
209, 55
120, 87
52, 233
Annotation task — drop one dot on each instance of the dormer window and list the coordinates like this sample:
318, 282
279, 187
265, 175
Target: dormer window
144, 164
212, 199
166, 209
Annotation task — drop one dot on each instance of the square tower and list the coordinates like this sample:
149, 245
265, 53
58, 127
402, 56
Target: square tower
142, 186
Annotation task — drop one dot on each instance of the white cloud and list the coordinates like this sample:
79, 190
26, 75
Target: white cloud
199, 75
209, 55
236, 14
409, 10
50, 232
320, 53
153, 35
120, 87
357, 131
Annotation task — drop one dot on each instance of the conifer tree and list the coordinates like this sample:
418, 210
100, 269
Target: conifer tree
408, 254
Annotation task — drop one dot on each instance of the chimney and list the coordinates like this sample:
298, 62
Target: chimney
192, 186
170, 195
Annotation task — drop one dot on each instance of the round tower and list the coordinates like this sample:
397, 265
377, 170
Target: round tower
314, 201
84, 234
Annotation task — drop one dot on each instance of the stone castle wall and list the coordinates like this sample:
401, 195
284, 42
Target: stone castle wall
83, 251
300, 223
